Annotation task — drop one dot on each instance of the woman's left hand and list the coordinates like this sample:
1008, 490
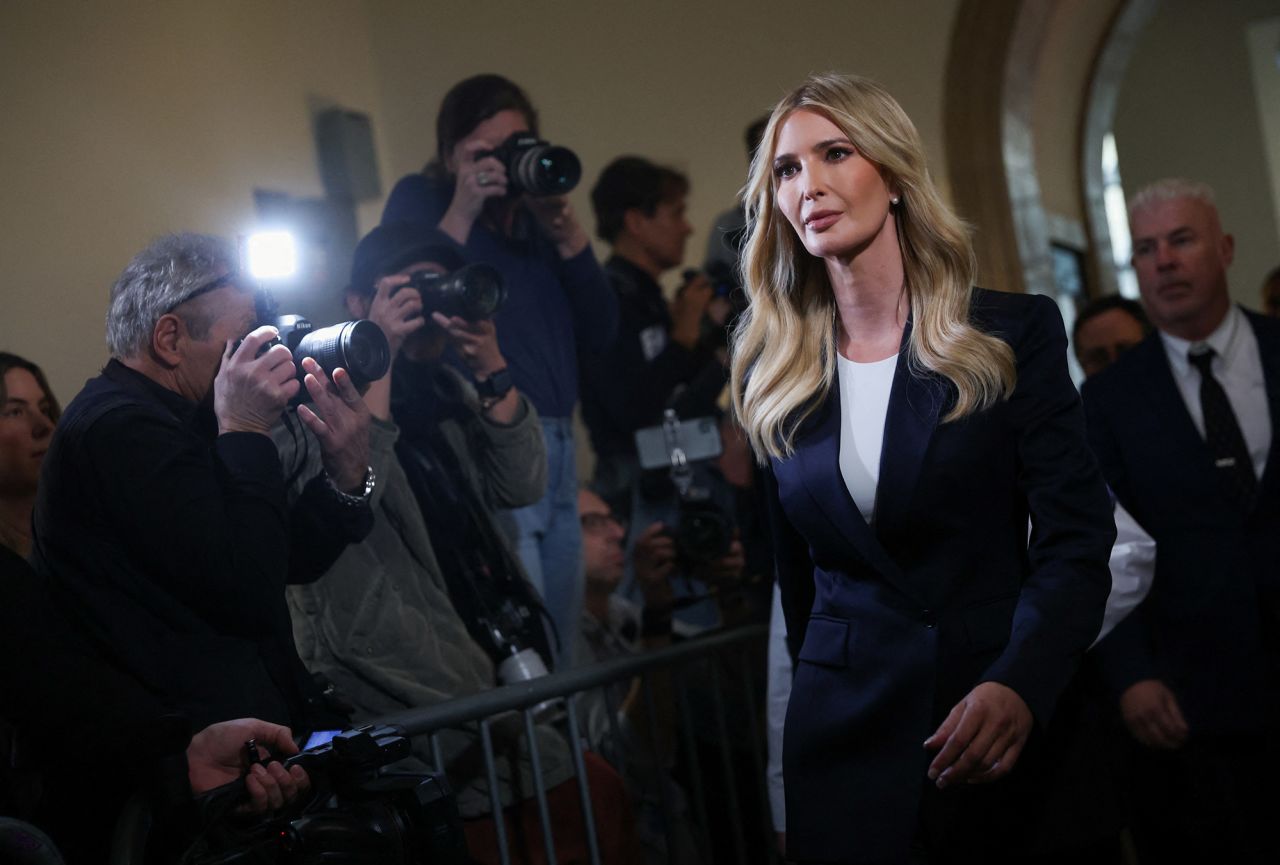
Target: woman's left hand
981, 738
558, 222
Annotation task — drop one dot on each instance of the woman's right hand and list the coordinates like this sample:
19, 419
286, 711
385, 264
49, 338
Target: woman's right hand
477, 181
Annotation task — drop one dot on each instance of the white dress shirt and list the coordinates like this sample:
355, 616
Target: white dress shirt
1238, 368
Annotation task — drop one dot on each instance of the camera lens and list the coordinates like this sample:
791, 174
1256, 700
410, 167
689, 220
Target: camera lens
359, 347
546, 169
474, 292
483, 290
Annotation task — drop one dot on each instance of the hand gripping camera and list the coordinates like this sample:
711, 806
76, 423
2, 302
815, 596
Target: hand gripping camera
536, 167
360, 347
358, 813
474, 292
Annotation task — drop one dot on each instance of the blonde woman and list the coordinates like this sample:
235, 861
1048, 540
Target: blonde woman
912, 423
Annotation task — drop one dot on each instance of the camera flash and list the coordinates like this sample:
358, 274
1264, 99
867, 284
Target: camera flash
272, 254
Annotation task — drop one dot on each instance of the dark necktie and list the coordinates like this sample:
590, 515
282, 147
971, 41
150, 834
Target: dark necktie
1222, 431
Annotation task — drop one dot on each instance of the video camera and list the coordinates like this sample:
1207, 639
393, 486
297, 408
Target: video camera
703, 530
474, 292
358, 813
536, 167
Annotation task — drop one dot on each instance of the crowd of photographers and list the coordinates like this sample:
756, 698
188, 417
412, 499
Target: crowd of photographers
246, 535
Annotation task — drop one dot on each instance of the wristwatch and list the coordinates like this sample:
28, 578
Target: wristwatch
355, 501
494, 387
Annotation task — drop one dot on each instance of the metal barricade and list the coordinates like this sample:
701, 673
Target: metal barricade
684, 664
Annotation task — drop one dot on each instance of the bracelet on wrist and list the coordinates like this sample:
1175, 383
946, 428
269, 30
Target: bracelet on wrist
354, 500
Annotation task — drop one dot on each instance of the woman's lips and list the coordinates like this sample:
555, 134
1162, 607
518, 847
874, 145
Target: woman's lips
821, 220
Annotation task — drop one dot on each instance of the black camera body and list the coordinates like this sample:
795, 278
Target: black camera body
536, 167
360, 347
359, 813
703, 531
473, 292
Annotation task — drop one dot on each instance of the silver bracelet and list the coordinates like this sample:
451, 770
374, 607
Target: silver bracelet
355, 501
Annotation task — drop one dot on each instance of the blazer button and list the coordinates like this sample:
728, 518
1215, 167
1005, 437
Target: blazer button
930, 620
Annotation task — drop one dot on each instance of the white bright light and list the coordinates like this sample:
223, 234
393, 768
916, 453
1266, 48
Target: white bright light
272, 254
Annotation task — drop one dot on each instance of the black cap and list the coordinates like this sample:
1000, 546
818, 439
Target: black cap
392, 247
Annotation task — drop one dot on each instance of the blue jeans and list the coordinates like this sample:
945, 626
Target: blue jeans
549, 538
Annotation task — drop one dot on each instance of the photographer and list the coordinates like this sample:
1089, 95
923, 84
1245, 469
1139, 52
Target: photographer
559, 301
161, 523
614, 627
404, 618
660, 354
88, 736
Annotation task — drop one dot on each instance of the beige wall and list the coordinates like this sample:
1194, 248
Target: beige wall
1187, 107
675, 81
125, 120
129, 119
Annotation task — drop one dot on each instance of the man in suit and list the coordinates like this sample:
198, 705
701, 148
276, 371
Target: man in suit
1183, 427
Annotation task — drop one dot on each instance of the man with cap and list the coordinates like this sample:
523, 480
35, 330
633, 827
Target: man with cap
394, 624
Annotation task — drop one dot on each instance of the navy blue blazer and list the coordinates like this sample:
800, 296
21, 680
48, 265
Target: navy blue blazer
1209, 624
892, 624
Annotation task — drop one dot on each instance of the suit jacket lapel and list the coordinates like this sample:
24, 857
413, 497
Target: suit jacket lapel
818, 463
915, 403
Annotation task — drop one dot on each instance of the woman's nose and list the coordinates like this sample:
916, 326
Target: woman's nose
41, 426
813, 185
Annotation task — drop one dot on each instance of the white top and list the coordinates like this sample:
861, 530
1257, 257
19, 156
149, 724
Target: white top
864, 405
1238, 368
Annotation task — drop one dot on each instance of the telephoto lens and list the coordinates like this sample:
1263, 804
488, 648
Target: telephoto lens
360, 347
546, 169
473, 292
536, 167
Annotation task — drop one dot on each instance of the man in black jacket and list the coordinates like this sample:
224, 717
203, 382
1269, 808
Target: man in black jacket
161, 522
1183, 428
87, 736
660, 355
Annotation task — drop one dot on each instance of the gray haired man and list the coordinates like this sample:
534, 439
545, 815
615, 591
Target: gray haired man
161, 522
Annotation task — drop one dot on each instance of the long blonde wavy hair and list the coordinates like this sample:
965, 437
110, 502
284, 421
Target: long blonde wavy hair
784, 345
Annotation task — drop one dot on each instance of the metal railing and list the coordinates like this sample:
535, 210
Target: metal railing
676, 660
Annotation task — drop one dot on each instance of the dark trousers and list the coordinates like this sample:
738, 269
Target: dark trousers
1214, 800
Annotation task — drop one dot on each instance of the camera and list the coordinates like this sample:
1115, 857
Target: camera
536, 167
703, 529
358, 813
473, 292
360, 347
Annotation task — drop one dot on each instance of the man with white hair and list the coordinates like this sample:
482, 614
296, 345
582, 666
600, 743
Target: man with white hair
161, 523
1182, 426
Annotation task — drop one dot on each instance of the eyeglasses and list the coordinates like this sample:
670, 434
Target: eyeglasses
228, 278
597, 524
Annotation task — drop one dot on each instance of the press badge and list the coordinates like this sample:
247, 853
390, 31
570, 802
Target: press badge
652, 341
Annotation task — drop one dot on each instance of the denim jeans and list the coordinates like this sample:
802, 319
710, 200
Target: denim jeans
548, 538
